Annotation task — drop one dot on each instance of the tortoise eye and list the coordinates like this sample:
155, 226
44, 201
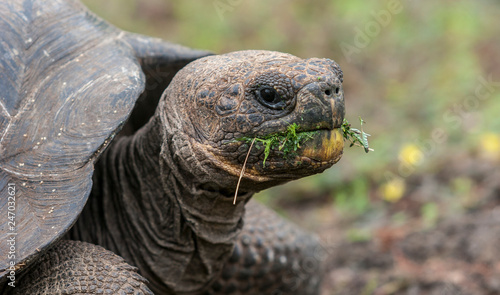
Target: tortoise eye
270, 98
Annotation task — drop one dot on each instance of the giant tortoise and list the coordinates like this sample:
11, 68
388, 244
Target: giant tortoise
86, 209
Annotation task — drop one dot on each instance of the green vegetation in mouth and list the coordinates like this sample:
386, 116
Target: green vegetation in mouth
356, 136
288, 141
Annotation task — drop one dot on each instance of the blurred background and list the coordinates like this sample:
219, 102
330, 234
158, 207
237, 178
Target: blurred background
425, 76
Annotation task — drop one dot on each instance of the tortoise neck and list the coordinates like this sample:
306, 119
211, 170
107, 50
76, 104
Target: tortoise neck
157, 217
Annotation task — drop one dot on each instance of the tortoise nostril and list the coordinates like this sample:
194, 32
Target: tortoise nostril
332, 90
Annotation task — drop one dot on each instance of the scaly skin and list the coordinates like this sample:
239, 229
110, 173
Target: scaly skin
72, 267
162, 198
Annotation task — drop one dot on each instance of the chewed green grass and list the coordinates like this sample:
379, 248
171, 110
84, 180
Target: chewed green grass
289, 141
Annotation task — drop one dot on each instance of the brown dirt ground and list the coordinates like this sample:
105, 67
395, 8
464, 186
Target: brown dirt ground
458, 255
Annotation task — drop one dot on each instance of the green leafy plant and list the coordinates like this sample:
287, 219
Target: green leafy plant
288, 141
356, 136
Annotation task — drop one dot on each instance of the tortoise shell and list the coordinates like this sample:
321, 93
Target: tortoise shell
68, 83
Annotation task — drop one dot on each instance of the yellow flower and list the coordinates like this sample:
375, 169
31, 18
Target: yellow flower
490, 144
411, 154
393, 190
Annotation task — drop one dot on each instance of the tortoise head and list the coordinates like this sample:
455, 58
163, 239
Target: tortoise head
216, 106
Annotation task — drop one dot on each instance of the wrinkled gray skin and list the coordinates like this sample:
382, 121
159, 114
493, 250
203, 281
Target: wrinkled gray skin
162, 198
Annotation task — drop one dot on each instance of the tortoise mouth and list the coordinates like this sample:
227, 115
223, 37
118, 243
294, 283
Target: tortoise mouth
326, 146
319, 150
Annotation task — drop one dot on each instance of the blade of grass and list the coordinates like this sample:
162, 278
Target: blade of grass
242, 172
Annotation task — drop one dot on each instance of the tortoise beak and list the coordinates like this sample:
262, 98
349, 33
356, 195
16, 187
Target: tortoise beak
326, 147
323, 110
